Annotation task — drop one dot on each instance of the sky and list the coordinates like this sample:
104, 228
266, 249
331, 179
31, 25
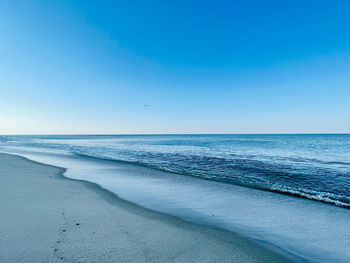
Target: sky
120, 67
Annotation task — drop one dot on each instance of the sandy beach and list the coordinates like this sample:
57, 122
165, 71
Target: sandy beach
45, 217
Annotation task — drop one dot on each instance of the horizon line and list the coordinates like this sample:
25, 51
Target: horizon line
136, 134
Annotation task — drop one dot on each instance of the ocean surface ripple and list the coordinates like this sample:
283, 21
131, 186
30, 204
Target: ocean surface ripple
316, 167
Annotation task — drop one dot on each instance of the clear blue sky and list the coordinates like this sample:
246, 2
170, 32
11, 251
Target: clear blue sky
200, 66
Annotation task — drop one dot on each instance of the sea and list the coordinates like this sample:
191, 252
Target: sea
288, 192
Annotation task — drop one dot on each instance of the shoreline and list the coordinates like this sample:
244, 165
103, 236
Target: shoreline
289, 193
164, 238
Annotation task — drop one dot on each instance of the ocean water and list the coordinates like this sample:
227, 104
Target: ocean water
309, 166
288, 192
